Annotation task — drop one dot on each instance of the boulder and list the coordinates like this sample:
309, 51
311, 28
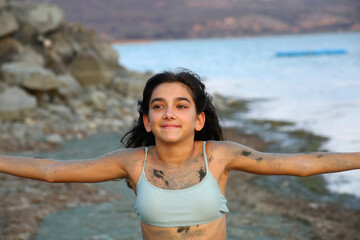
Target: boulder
65, 45
14, 103
43, 17
97, 100
2, 4
26, 33
107, 54
88, 68
129, 84
71, 87
30, 76
3, 85
61, 110
8, 23
10, 50
31, 56
54, 139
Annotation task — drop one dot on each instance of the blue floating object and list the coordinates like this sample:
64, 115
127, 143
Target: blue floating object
311, 53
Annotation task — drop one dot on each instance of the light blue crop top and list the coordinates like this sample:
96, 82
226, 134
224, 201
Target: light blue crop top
198, 204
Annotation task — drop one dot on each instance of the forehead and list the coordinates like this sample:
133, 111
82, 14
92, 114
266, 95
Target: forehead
171, 90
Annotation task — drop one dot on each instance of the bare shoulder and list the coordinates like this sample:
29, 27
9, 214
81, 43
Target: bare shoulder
127, 157
225, 151
225, 146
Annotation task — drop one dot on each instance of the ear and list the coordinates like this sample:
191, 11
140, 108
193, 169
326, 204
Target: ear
200, 121
146, 121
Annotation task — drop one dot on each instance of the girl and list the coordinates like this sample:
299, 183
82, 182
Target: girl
176, 162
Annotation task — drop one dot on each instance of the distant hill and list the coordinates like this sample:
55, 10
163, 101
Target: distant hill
164, 19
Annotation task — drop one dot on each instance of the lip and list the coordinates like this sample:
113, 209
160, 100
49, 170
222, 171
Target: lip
169, 126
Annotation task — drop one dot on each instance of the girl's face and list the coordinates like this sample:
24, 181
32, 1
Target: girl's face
172, 114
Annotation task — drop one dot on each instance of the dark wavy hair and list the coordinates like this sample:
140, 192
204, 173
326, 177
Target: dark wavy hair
138, 136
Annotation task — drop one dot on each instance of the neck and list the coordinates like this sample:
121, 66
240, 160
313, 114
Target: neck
174, 154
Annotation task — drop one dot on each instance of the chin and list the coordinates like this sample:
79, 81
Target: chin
170, 139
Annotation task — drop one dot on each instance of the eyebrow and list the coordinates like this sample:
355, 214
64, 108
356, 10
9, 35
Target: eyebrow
162, 99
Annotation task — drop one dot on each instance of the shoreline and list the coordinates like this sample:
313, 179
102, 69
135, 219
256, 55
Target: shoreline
248, 195
132, 41
150, 40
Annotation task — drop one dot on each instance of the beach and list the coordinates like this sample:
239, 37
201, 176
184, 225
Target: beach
297, 209
64, 95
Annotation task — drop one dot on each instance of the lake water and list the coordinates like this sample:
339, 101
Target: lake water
319, 93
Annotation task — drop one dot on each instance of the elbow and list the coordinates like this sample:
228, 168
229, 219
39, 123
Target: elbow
306, 173
49, 174
48, 178
303, 174
52, 177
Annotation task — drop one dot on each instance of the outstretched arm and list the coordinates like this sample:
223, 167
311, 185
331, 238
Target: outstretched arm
107, 167
305, 164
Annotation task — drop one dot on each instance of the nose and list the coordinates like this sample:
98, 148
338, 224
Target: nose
169, 114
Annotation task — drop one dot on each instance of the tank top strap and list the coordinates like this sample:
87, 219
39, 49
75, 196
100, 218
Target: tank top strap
205, 157
146, 153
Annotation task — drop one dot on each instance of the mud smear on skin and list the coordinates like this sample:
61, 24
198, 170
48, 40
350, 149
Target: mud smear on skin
202, 173
183, 229
246, 153
160, 174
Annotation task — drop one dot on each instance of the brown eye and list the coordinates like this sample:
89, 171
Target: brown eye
157, 106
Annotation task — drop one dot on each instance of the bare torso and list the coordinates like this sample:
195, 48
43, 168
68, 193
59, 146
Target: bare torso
212, 230
188, 174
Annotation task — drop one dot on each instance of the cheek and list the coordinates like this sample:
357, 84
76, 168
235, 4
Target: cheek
154, 115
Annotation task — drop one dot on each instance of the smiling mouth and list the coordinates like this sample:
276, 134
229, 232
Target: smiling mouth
170, 126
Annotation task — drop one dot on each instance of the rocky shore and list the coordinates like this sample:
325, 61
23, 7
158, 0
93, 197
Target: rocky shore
59, 83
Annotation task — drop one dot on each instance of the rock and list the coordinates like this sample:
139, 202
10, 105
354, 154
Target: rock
107, 54
19, 130
3, 85
128, 83
128, 86
14, 102
57, 81
30, 76
61, 110
36, 133
75, 103
26, 33
42, 17
65, 45
89, 69
3, 4
8, 23
97, 99
84, 112
31, 56
10, 50
71, 87
54, 139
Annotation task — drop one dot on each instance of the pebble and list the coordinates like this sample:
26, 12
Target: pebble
19, 131
55, 139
